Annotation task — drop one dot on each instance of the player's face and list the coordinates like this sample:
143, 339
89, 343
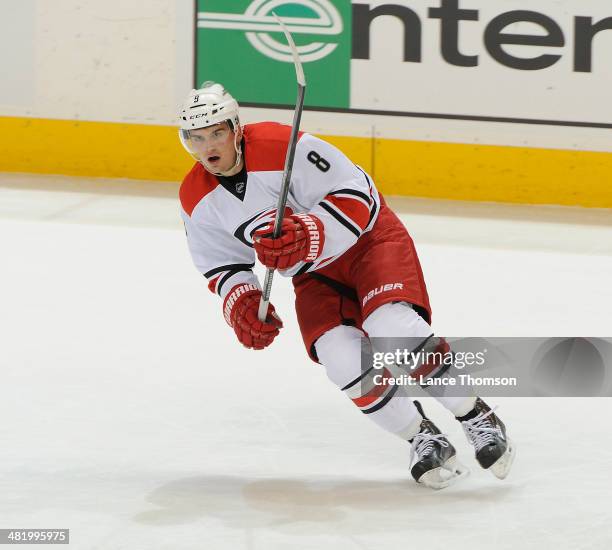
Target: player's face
214, 146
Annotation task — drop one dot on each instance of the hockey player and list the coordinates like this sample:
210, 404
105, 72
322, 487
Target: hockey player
354, 269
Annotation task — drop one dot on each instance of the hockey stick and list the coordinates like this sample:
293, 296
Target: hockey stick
286, 182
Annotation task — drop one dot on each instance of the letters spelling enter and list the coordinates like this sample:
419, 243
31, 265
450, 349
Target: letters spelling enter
451, 14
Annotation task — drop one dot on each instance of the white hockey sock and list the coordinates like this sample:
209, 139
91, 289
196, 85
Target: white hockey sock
400, 320
339, 350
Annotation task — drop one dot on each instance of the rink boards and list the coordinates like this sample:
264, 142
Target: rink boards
469, 99
400, 167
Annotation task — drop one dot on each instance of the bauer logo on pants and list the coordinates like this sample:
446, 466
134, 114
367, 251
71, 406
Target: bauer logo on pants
380, 289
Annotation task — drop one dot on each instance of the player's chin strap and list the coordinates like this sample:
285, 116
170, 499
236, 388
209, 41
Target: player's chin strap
238, 149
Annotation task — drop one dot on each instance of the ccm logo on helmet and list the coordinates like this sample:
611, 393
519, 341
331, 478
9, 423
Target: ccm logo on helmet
380, 289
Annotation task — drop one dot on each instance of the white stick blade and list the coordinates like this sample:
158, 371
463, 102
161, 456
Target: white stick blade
299, 71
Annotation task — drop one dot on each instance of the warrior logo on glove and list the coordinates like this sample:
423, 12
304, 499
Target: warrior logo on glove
301, 240
240, 311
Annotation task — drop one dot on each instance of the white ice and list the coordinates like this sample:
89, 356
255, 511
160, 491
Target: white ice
129, 414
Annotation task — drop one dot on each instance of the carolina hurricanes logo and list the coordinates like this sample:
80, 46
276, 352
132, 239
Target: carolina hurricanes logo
245, 230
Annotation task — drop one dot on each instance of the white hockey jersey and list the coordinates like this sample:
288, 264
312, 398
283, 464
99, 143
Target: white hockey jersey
220, 223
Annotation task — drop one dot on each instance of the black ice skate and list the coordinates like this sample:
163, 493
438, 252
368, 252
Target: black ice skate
436, 464
487, 433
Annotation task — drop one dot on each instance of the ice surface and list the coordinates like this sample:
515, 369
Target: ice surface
130, 415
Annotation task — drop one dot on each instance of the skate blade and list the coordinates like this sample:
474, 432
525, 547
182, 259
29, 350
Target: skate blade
501, 468
446, 475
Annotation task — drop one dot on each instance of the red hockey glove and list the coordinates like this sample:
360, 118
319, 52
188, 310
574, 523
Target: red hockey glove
240, 310
302, 239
